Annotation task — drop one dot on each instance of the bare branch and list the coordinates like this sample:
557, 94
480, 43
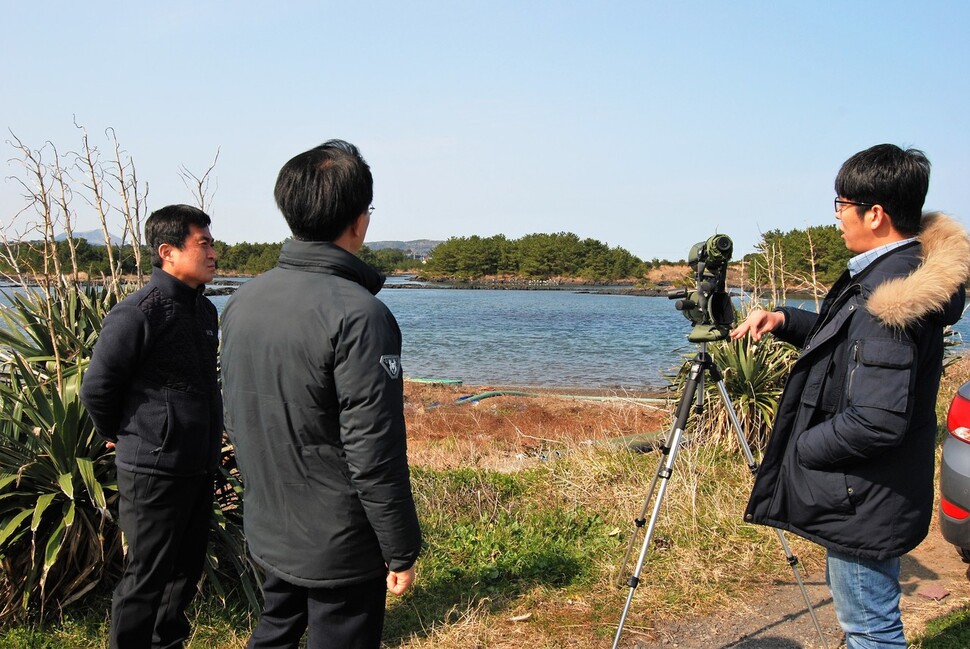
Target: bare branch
200, 187
88, 161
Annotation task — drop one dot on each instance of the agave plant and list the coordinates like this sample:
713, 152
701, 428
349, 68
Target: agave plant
57, 479
754, 376
56, 325
57, 541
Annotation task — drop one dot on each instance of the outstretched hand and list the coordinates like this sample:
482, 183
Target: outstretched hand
758, 323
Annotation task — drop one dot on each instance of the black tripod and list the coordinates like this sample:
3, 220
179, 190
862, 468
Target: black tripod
701, 363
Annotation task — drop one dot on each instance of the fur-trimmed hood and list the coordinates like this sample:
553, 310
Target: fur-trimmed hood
935, 284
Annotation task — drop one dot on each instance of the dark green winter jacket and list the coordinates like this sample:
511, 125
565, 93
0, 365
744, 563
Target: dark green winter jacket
313, 391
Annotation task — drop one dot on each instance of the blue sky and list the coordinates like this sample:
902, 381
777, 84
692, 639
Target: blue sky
647, 125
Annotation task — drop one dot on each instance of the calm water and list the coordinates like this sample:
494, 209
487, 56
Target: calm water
540, 338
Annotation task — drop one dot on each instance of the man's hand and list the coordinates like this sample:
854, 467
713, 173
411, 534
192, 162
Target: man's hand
758, 323
398, 582
109, 445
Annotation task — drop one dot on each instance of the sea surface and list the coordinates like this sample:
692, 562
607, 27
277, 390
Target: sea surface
541, 338
535, 338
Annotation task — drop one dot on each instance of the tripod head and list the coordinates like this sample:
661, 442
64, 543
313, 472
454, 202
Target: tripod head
708, 305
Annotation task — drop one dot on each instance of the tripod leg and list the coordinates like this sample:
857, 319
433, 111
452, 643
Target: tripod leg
641, 520
792, 559
664, 471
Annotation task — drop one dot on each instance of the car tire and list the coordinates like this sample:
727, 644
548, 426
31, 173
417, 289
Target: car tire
965, 554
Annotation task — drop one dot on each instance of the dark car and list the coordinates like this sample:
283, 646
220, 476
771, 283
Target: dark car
955, 474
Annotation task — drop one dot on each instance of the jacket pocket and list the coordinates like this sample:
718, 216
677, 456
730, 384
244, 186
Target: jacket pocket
879, 374
142, 431
185, 444
815, 497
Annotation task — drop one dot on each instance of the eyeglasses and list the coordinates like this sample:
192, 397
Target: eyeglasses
370, 210
845, 204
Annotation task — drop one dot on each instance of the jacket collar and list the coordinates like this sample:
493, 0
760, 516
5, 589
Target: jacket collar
329, 258
174, 288
912, 283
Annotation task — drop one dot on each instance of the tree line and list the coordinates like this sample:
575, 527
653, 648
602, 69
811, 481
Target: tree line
234, 259
803, 259
538, 256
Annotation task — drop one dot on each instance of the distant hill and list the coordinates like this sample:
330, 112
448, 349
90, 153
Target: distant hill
94, 237
418, 247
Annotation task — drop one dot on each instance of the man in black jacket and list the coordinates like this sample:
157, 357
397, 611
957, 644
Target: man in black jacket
850, 460
151, 390
311, 366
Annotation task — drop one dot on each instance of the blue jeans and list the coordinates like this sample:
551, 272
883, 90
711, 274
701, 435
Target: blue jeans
866, 598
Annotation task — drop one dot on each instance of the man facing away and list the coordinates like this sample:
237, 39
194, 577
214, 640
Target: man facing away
315, 408
151, 390
850, 461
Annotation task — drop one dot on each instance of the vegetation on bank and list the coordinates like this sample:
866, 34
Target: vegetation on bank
534, 256
802, 260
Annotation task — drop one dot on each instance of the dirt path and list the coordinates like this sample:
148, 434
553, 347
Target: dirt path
778, 619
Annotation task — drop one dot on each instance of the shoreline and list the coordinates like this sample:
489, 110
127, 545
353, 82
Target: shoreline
618, 393
593, 290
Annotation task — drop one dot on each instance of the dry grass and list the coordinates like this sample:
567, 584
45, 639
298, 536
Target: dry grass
681, 275
508, 433
670, 274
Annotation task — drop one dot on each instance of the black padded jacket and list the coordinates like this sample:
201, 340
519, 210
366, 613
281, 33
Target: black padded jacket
151, 386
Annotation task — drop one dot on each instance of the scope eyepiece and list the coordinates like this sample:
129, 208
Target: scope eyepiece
719, 249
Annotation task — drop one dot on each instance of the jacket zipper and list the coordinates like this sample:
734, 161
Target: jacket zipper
855, 366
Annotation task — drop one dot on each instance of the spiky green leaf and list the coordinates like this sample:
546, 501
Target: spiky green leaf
43, 502
95, 490
66, 483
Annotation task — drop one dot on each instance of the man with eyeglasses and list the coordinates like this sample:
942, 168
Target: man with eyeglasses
850, 461
311, 366
152, 391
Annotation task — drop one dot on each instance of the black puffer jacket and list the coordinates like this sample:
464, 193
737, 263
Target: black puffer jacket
315, 407
851, 457
151, 386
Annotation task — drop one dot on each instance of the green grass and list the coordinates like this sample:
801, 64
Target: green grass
490, 538
948, 632
498, 542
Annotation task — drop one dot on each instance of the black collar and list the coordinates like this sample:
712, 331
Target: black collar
328, 258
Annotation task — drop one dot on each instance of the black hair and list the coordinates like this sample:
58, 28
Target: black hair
170, 225
321, 191
887, 175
